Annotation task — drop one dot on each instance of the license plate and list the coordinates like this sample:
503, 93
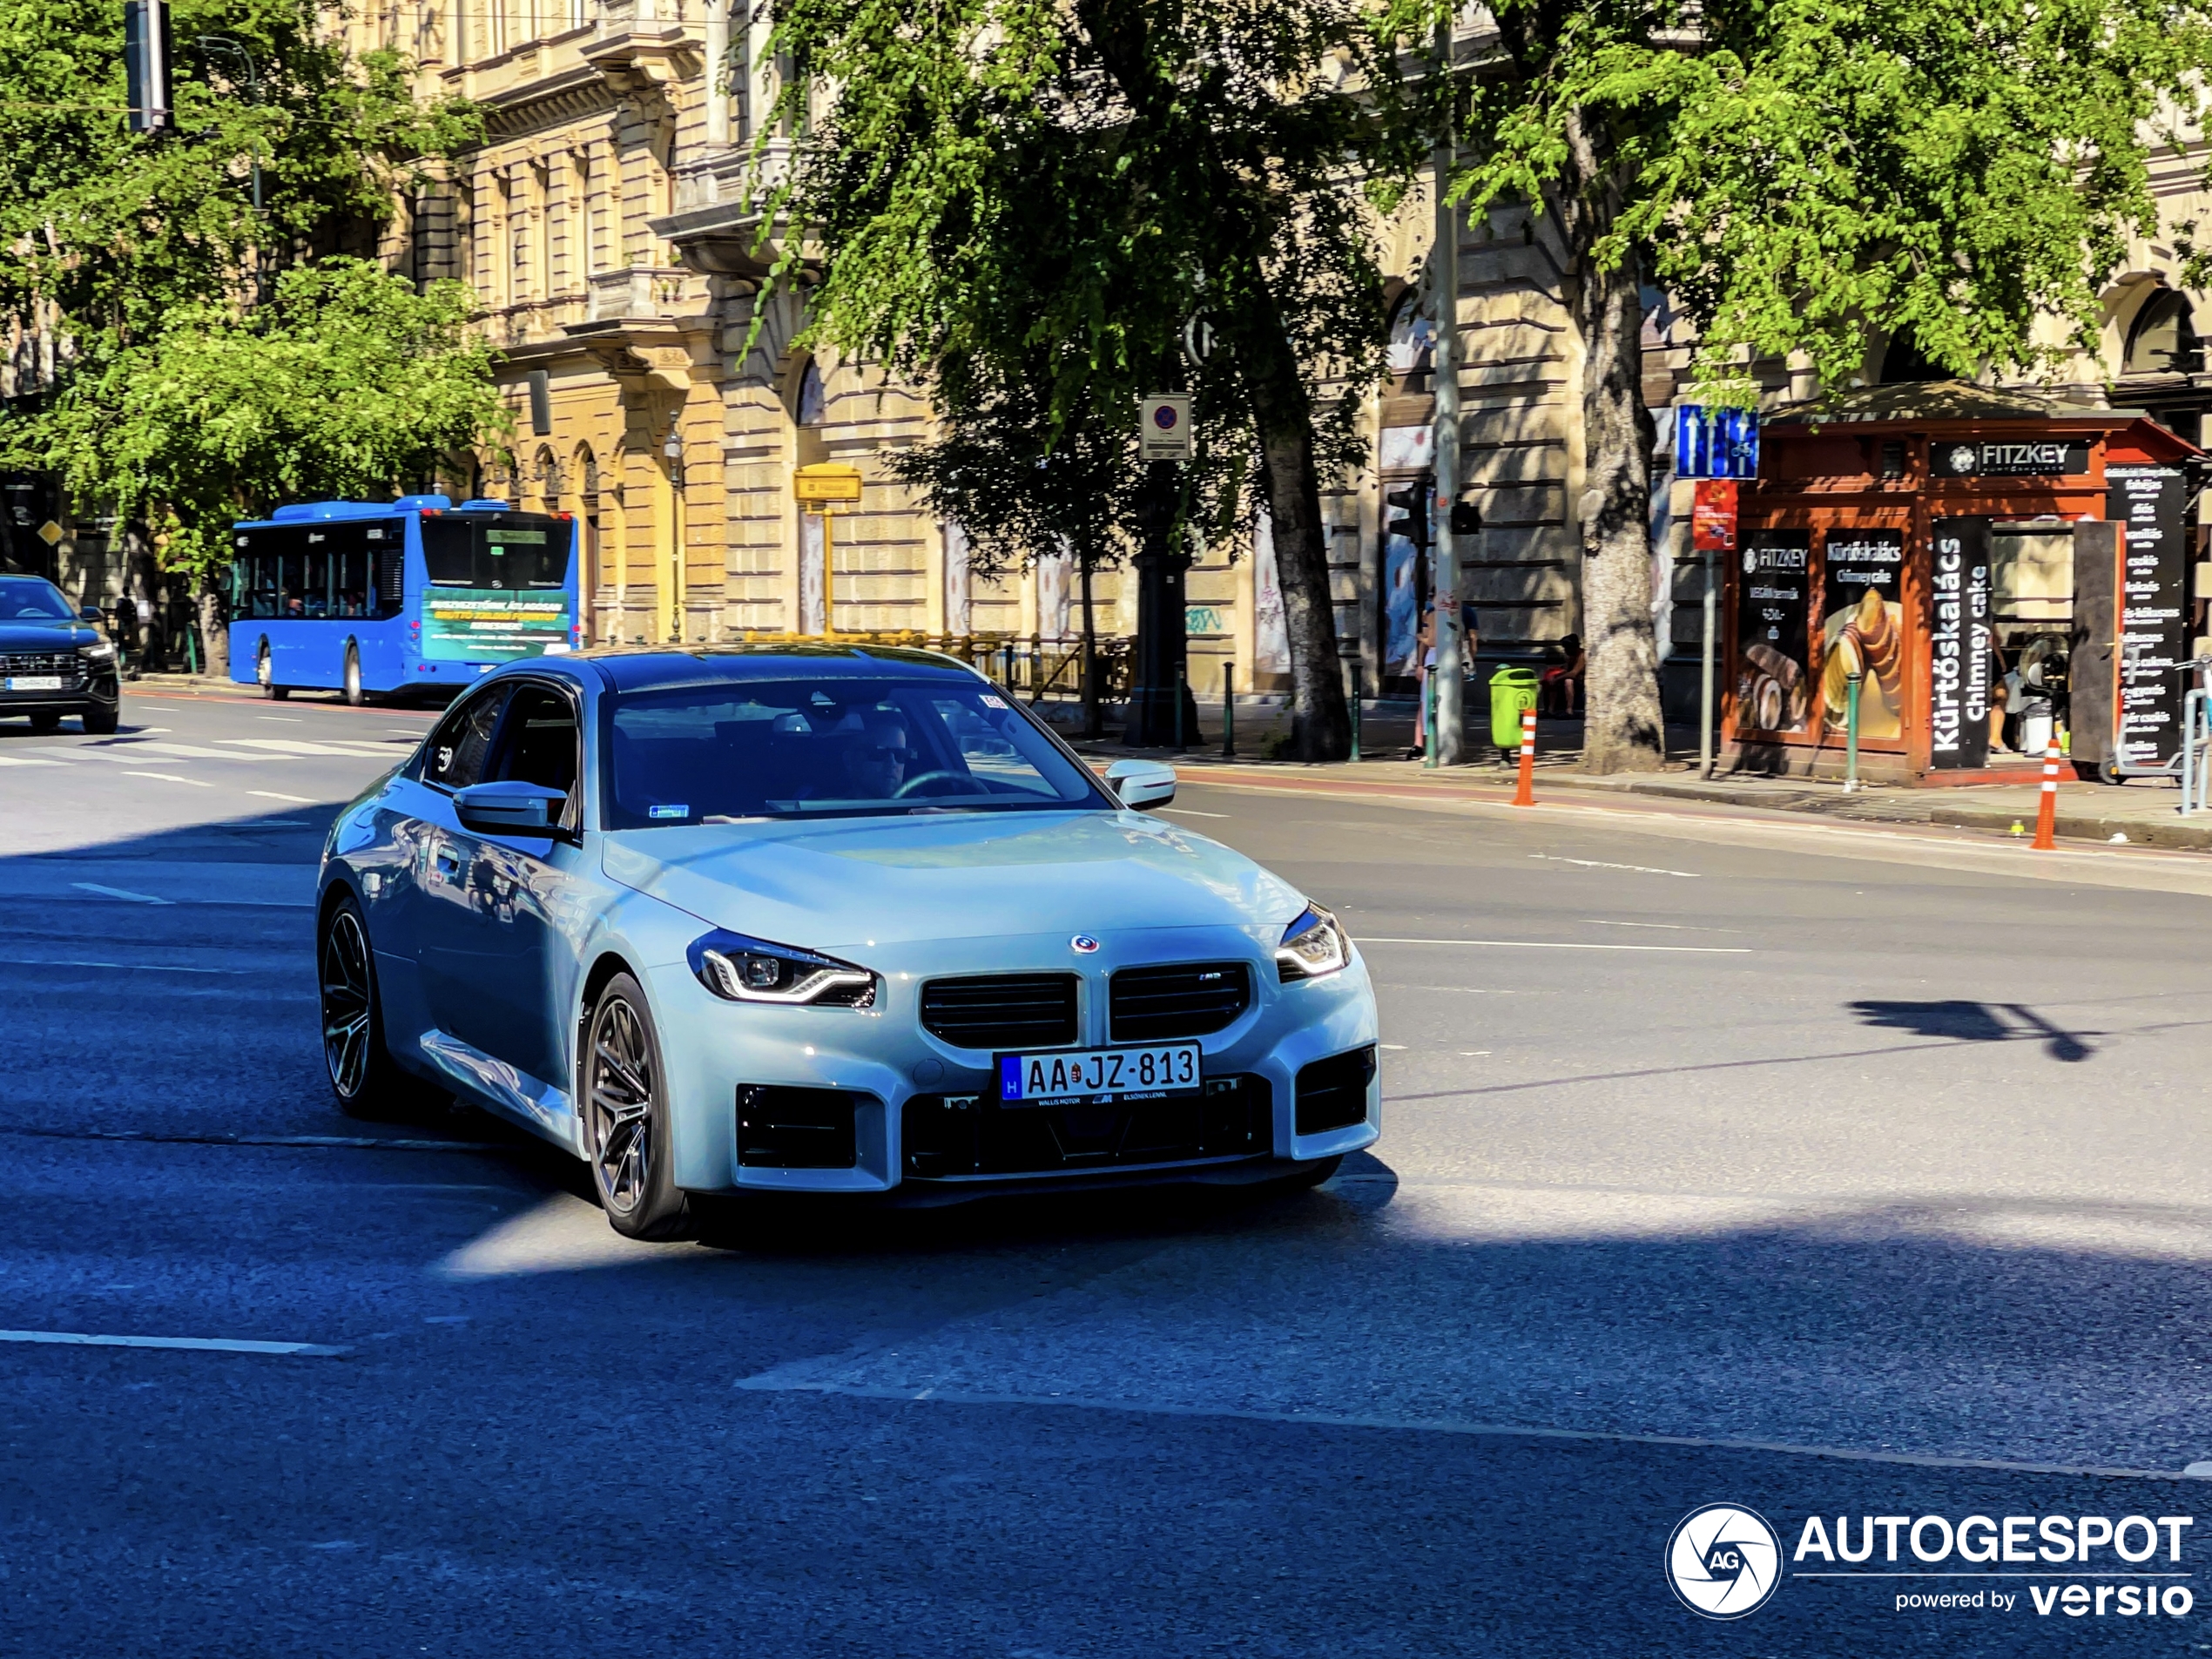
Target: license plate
34, 682
1088, 1077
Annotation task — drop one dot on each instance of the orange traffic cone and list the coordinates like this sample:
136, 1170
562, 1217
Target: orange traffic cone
1524, 793
2046, 814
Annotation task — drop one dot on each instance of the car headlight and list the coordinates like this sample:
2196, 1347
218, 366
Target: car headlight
99, 652
1313, 947
741, 968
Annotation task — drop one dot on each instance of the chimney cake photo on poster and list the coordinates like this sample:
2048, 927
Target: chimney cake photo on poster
1862, 630
1772, 689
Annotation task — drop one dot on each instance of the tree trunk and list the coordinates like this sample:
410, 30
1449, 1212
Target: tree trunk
1094, 727
1320, 722
213, 634
1622, 729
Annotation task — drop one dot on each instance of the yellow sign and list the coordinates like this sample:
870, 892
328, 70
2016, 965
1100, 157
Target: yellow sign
826, 483
50, 532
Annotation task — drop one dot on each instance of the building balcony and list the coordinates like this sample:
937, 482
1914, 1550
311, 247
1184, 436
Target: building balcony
715, 230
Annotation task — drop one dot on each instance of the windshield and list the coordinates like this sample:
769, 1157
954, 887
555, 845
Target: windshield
809, 748
30, 599
512, 552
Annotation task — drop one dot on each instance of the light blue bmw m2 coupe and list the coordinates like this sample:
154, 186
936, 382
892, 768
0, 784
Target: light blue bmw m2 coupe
833, 920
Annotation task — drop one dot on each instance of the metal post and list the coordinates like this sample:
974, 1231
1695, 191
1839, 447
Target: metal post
1851, 731
1446, 745
1428, 720
1705, 675
1228, 711
1179, 695
1356, 700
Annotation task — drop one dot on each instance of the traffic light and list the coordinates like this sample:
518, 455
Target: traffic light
145, 65
1407, 512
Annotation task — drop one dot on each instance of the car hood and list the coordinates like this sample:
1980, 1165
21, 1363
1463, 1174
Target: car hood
951, 876
17, 635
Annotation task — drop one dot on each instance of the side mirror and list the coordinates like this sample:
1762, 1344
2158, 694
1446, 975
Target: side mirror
509, 808
1142, 784
91, 613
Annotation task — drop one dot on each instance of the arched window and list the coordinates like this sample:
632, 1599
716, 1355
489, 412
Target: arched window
549, 477
587, 472
1904, 360
2162, 339
1412, 337
809, 404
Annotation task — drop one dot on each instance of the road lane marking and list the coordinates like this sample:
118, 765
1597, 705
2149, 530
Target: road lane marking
171, 778
1600, 864
1557, 944
144, 968
1184, 812
270, 794
198, 1344
770, 1383
347, 1143
121, 893
24, 760
281, 719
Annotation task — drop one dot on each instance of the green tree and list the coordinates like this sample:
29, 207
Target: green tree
348, 383
1023, 488
106, 231
1054, 190
1810, 176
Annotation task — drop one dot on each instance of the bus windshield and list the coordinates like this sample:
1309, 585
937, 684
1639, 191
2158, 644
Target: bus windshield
509, 552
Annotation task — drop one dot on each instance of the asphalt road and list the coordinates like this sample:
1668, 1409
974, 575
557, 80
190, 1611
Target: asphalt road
1825, 1171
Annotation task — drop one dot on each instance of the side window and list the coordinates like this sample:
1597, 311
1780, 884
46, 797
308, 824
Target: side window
537, 742
455, 756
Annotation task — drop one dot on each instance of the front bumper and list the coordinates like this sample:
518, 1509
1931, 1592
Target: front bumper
98, 688
909, 1091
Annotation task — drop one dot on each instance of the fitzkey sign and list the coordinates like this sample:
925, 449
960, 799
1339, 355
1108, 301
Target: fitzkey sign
1164, 427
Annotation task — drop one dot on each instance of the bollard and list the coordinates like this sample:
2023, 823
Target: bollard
2047, 814
1428, 718
1850, 734
1355, 710
1524, 794
1228, 711
1179, 695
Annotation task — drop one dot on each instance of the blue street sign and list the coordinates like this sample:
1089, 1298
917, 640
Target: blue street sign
1715, 444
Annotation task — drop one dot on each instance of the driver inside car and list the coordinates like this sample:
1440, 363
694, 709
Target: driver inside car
877, 762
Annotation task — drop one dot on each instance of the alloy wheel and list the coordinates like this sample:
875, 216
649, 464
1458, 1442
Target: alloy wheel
621, 1092
346, 1004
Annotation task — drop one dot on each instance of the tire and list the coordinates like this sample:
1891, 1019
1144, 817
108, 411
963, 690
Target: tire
99, 721
363, 1075
262, 671
352, 679
45, 722
627, 1120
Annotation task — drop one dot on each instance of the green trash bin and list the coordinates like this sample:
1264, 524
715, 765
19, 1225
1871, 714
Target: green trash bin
1513, 692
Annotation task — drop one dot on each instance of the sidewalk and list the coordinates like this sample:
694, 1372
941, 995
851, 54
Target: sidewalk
2146, 813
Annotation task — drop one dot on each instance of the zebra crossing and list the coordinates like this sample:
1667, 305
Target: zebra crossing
138, 749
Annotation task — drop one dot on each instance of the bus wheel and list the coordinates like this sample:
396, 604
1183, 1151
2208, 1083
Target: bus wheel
354, 695
274, 692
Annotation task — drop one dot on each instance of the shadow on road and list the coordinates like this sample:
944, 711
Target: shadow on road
1959, 1020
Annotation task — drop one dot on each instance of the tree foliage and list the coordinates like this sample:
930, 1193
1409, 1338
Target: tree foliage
1040, 195
348, 383
113, 229
1814, 177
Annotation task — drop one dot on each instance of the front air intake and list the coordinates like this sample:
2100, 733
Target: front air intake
795, 1128
1333, 1093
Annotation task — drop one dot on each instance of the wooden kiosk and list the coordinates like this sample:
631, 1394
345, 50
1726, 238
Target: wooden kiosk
1997, 568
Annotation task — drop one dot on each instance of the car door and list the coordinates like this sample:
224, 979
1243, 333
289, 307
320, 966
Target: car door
524, 977
452, 883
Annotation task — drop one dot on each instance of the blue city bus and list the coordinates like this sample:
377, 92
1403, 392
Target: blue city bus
376, 597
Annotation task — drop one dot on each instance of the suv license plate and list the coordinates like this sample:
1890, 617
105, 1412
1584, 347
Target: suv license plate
34, 682
1092, 1077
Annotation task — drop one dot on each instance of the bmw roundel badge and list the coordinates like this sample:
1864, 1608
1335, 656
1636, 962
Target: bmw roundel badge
1083, 945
